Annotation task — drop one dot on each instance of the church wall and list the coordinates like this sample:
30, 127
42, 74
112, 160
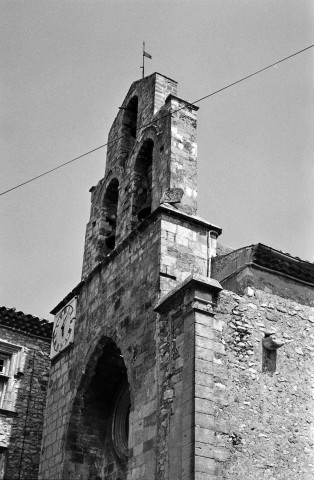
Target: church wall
116, 302
184, 249
268, 416
223, 414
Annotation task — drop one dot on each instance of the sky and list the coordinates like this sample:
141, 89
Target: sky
66, 66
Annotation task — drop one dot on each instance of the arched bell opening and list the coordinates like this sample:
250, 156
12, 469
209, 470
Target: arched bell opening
129, 125
97, 439
142, 182
108, 223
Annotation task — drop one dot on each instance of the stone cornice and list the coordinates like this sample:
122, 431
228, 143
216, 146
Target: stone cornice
188, 104
195, 281
163, 209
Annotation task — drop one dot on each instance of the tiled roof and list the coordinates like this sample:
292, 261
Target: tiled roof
227, 264
283, 263
9, 317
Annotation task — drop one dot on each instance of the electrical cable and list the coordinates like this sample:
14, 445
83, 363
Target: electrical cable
151, 123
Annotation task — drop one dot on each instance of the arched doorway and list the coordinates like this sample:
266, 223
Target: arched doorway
97, 439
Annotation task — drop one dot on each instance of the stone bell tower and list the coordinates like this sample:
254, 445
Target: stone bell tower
123, 384
151, 159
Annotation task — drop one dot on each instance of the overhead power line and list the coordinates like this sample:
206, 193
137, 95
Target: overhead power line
151, 123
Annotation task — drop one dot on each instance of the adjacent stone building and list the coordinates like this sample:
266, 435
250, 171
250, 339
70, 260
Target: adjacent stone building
24, 367
176, 358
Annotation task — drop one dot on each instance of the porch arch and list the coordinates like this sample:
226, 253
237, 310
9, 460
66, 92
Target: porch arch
96, 445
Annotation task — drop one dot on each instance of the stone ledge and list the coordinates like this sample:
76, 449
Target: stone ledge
8, 413
165, 208
188, 104
211, 285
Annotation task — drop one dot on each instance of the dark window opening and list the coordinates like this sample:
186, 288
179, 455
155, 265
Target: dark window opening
269, 358
109, 218
129, 123
142, 199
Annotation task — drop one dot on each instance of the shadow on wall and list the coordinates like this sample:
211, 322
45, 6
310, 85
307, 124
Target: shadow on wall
97, 438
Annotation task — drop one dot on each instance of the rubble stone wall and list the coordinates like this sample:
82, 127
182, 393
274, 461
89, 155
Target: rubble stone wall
268, 417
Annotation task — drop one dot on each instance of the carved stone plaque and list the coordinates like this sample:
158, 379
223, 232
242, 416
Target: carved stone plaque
172, 195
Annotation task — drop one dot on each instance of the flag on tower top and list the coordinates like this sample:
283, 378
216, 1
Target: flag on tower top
145, 54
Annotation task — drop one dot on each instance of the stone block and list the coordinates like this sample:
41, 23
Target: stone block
203, 405
204, 330
205, 465
204, 354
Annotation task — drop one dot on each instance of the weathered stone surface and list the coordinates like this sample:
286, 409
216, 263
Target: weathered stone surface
269, 412
21, 418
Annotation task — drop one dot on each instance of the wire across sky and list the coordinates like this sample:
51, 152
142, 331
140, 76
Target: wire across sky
150, 123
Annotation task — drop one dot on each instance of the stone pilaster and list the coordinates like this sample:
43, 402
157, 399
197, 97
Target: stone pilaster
190, 381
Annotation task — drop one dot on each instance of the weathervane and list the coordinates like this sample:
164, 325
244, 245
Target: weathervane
145, 54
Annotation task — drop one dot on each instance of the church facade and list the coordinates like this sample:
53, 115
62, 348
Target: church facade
175, 358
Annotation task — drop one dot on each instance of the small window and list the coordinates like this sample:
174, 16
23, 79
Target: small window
11, 364
271, 343
269, 360
4, 364
4, 378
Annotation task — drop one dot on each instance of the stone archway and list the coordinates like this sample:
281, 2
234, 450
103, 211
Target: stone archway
96, 446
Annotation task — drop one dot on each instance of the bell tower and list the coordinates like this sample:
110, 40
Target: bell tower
121, 402
151, 160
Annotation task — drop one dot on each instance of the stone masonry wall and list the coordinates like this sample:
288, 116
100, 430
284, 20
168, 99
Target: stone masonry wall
223, 413
184, 250
190, 382
115, 303
184, 152
268, 417
21, 430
